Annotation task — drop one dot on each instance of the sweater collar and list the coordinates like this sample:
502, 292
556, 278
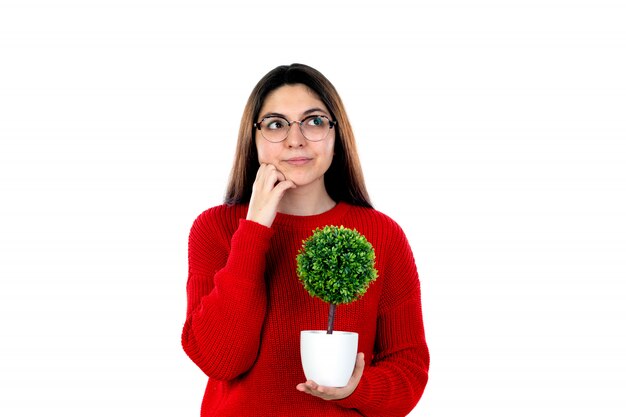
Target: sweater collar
333, 216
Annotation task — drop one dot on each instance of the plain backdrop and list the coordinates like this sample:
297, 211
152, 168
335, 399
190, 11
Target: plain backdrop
492, 131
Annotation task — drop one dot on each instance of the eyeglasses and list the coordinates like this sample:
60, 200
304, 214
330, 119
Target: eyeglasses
314, 128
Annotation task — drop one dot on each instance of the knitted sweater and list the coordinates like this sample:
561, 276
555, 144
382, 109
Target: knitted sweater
246, 308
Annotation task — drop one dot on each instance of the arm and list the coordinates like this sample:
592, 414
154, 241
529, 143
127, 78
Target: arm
226, 297
394, 382
226, 287
396, 378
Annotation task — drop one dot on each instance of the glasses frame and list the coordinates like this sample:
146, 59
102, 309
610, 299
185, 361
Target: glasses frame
259, 125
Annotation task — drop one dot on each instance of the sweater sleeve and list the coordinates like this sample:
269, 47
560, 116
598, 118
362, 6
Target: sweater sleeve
395, 379
226, 297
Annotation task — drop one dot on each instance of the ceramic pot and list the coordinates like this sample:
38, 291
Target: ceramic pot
328, 359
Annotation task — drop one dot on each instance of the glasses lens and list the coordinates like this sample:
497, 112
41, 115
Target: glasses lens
315, 128
274, 129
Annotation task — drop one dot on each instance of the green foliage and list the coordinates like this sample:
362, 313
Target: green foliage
336, 264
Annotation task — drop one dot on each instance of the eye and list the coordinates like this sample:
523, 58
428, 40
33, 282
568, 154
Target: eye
315, 121
275, 123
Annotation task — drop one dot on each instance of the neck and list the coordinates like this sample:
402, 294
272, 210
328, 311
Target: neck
305, 202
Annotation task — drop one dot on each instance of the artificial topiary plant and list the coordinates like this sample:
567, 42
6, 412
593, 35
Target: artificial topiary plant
336, 265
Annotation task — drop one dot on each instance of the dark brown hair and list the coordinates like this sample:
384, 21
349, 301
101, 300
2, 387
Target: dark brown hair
344, 178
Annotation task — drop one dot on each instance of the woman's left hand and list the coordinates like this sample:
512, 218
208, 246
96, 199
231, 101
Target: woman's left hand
331, 393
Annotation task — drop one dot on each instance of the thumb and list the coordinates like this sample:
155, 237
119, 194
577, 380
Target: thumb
359, 366
283, 186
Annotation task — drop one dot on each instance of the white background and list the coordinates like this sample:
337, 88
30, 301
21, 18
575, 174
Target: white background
492, 131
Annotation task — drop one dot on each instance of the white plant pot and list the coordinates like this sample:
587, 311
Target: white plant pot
328, 359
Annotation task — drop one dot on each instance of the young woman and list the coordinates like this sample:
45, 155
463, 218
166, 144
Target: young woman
296, 169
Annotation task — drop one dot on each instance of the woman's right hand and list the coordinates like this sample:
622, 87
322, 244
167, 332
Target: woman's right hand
268, 189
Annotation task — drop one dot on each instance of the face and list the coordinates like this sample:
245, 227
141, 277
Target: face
300, 160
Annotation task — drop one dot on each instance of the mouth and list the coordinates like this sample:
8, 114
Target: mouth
298, 160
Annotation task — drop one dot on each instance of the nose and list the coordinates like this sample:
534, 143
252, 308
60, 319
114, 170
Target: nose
295, 138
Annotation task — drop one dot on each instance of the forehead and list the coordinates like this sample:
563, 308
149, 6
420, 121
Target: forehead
292, 99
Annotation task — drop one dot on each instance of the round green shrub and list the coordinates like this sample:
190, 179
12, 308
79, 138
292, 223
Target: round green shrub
336, 264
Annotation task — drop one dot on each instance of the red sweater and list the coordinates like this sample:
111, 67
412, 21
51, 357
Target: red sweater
246, 308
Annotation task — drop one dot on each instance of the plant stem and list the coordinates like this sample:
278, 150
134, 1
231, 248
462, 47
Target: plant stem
331, 319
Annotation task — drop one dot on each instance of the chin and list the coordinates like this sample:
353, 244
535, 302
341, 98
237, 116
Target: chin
298, 182
301, 181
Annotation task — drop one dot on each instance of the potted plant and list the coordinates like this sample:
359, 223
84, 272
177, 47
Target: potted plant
335, 264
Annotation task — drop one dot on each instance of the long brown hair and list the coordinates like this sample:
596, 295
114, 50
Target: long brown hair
344, 179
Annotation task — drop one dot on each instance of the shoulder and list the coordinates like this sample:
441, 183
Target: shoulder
223, 213
220, 220
371, 218
397, 270
379, 228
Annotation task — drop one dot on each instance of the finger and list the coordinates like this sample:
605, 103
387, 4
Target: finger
358, 369
307, 387
326, 393
281, 187
360, 364
261, 170
270, 177
280, 175
321, 390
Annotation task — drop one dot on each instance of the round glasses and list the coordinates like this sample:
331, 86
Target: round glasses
276, 128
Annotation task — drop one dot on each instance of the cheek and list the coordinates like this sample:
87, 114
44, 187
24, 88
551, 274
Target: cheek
330, 149
262, 152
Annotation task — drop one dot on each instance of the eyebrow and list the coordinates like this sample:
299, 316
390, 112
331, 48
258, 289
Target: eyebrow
305, 113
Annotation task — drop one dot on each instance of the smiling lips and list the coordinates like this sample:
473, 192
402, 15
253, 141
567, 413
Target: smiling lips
298, 161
